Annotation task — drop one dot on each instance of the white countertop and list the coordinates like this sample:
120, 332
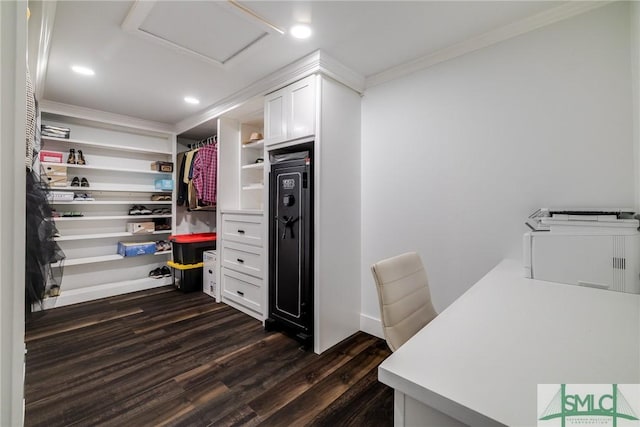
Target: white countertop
481, 359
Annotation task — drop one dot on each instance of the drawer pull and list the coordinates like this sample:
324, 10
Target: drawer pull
240, 231
210, 271
240, 260
240, 293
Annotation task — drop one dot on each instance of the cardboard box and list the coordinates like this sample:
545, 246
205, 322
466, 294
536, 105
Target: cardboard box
164, 184
162, 166
55, 181
60, 196
56, 170
136, 248
51, 156
141, 227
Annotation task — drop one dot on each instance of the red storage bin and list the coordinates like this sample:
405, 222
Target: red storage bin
188, 248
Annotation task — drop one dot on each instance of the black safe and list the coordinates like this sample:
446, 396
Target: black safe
291, 244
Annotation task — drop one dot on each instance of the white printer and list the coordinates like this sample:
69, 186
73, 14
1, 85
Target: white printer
586, 247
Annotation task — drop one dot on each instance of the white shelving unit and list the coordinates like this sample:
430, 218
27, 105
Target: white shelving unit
118, 169
251, 169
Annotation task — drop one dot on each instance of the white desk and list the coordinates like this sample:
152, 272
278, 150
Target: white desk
479, 361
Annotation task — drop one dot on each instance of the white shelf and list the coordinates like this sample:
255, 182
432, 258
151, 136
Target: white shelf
254, 166
150, 189
253, 187
105, 235
106, 146
107, 217
113, 202
105, 168
256, 144
97, 259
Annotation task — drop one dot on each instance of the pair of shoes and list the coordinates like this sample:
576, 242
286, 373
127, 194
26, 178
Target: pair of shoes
160, 198
73, 160
163, 246
162, 211
162, 226
54, 291
72, 214
159, 273
83, 196
139, 210
76, 182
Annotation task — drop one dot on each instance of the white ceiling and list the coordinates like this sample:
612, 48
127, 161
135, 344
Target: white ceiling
140, 76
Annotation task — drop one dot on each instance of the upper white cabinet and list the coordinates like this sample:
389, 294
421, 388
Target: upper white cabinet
290, 113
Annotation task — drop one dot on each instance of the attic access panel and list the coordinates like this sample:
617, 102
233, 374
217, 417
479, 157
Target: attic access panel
214, 31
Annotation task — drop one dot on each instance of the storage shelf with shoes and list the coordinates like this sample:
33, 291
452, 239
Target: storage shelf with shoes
107, 168
105, 173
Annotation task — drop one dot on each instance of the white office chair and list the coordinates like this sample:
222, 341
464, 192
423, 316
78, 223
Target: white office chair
404, 296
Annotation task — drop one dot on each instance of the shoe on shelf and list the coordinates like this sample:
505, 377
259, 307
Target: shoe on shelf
166, 272
79, 196
84, 182
156, 273
81, 160
135, 210
156, 197
156, 212
71, 160
54, 291
75, 182
89, 197
144, 210
165, 211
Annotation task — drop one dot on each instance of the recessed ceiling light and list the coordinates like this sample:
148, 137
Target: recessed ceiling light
300, 31
191, 100
85, 71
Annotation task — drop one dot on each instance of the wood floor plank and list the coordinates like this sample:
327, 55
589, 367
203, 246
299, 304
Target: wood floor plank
309, 404
164, 358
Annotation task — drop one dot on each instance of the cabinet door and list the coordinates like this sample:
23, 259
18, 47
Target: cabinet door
301, 108
275, 128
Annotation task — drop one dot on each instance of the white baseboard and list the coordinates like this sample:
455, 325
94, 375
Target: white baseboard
371, 325
91, 293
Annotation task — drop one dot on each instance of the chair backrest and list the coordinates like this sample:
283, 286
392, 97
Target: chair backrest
404, 296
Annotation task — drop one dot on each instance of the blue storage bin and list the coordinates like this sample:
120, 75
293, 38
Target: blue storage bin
136, 248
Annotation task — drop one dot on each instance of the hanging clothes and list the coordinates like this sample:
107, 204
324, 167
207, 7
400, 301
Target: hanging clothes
205, 167
182, 187
41, 249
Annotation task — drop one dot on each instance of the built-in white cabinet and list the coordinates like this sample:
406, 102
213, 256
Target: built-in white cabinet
117, 175
290, 119
290, 113
242, 261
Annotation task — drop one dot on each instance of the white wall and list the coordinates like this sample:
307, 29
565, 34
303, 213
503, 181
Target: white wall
13, 43
635, 78
455, 157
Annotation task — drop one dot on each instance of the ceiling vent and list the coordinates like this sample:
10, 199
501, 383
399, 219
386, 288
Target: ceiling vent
215, 32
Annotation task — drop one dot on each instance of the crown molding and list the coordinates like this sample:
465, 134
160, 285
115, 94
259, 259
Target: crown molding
531, 23
113, 119
316, 62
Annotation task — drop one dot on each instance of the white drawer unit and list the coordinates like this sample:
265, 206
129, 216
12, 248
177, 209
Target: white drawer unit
242, 229
243, 290
243, 258
209, 283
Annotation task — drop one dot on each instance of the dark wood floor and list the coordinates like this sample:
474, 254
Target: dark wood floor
160, 357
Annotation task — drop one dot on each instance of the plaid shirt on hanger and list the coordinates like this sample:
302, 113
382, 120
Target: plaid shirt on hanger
205, 168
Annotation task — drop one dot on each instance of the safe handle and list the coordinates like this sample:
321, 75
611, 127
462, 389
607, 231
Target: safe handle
240, 260
240, 231
240, 293
210, 271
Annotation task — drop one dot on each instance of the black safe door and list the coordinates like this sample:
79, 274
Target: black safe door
290, 284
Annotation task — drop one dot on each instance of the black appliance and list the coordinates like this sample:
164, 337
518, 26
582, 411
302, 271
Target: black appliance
291, 244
